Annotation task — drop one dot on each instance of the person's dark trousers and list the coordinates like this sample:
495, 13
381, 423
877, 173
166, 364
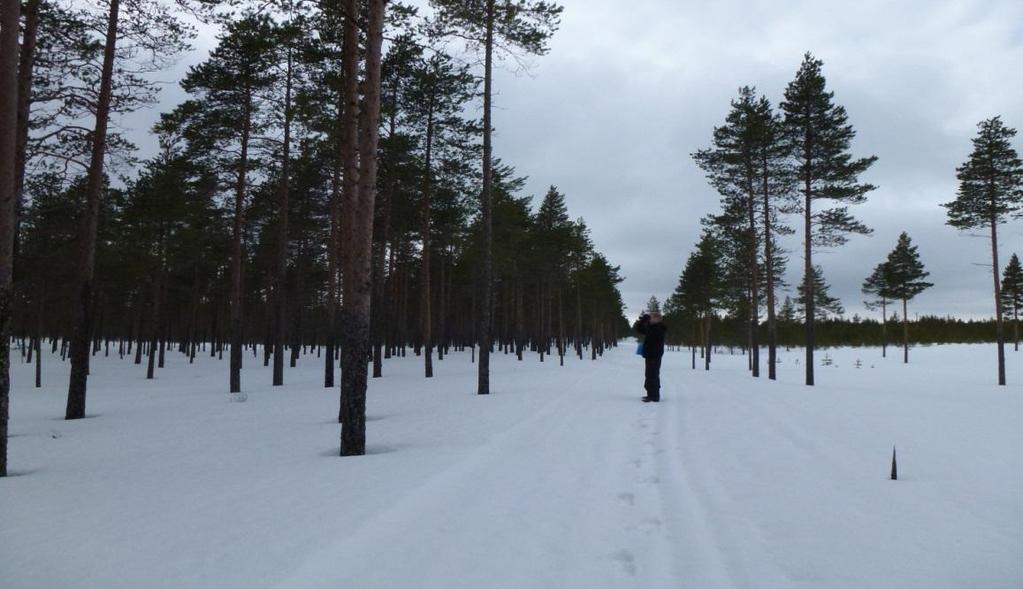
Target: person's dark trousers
652, 384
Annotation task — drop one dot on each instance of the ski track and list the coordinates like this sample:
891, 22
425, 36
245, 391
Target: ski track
629, 501
645, 495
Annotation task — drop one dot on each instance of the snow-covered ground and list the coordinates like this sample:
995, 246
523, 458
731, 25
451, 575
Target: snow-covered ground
561, 478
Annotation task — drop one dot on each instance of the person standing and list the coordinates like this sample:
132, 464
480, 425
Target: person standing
652, 328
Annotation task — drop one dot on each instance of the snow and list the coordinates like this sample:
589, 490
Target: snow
561, 478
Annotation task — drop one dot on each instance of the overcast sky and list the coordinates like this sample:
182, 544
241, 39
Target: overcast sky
630, 89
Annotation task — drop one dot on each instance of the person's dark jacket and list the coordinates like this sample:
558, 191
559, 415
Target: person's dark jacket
653, 337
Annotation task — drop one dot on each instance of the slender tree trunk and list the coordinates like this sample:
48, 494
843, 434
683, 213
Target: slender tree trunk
357, 259
237, 294
82, 298
486, 208
884, 327
9, 18
1015, 327
772, 328
154, 328
26, 68
706, 341
39, 344
333, 248
441, 309
561, 330
754, 307
999, 327
808, 266
905, 334
281, 259
427, 319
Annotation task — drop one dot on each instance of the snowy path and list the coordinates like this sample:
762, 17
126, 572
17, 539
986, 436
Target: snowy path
560, 479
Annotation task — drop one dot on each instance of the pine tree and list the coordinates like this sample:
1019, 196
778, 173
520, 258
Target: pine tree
699, 291
878, 284
905, 280
990, 193
1012, 294
748, 167
653, 305
820, 136
512, 25
438, 91
148, 28
787, 314
821, 302
230, 89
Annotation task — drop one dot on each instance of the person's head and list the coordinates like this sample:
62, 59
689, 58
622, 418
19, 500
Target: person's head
655, 317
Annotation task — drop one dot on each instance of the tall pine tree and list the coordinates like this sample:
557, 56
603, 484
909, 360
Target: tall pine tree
820, 136
905, 280
878, 285
514, 26
990, 193
1012, 294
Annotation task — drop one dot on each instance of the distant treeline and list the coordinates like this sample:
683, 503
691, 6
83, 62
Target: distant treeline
928, 329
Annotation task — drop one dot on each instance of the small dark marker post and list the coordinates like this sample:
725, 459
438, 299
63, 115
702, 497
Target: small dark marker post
895, 471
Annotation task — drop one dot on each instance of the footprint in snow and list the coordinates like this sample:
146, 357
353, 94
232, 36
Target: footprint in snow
627, 499
648, 526
626, 560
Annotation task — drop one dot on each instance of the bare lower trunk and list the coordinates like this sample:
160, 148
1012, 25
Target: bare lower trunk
884, 328
154, 330
808, 282
357, 260
999, 327
905, 334
332, 251
281, 258
486, 209
9, 16
427, 319
772, 332
82, 297
236, 325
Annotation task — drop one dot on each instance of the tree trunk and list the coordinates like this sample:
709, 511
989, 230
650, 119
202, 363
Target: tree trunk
1015, 328
772, 330
350, 186
82, 297
427, 319
357, 259
39, 345
237, 294
9, 18
808, 269
281, 259
26, 68
754, 307
154, 329
486, 209
884, 327
333, 248
905, 334
999, 328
